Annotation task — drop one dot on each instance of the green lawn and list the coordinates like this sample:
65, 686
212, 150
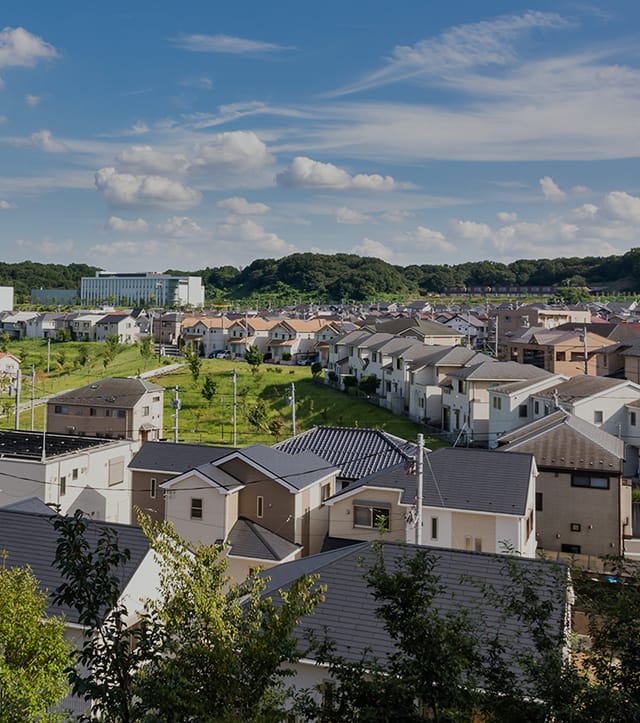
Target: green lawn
199, 420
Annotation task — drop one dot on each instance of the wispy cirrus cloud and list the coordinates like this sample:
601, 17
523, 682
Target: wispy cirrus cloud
230, 44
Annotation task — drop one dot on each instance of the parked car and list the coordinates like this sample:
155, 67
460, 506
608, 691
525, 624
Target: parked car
304, 362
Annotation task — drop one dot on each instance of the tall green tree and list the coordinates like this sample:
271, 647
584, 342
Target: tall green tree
209, 388
146, 349
254, 358
33, 654
194, 361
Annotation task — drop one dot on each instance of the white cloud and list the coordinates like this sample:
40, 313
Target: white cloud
241, 207
622, 206
19, 47
126, 225
396, 216
43, 140
371, 247
459, 48
139, 128
306, 173
350, 216
146, 159
180, 227
48, 248
6, 204
197, 43
581, 191
551, 190
248, 231
124, 189
32, 100
150, 249
425, 240
507, 216
236, 151
202, 82
470, 230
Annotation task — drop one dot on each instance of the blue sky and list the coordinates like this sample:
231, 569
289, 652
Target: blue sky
146, 136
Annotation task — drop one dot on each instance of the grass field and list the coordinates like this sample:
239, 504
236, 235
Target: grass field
73, 364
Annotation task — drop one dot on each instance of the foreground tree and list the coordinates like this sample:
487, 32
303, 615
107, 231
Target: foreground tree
194, 361
254, 357
33, 654
223, 647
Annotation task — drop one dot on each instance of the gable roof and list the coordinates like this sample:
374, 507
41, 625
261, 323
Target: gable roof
30, 539
356, 451
499, 371
583, 386
250, 540
562, 440
458, 478
109, 392
348, 616
170, 457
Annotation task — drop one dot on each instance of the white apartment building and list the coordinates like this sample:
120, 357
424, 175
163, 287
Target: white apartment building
141, 289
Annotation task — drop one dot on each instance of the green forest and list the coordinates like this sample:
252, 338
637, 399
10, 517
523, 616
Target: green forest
322, 278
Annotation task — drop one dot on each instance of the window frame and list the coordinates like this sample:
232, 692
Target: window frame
196, 508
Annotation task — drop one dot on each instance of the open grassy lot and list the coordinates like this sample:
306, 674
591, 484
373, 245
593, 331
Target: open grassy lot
263, 412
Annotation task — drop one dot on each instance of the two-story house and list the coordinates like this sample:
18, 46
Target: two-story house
122, 408
124, 326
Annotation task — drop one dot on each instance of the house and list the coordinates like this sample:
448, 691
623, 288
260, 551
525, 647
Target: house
15, 323
68, 472
469, 326
83, 326
29, 538
424, 330
247, 332
356, 451
559, 352
465, 395
124, 408
9, 367
323, 339
278, 492
210, 334
509, 321
293, 339
583, 501
123, 326
159, 462
472, 501
347, 616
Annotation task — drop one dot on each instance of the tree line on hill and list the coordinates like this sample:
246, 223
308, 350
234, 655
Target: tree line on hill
305, 277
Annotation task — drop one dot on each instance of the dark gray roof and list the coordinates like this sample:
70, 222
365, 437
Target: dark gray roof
499, 371
460, 478
248, 539
112, 391
297, 471
348, 613
420, 327
169, 457
562, 440
447, 356
30, 539
356, 451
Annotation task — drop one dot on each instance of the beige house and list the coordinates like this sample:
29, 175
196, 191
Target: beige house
511, 321
121, 408
266, 503
583, 501
473, 500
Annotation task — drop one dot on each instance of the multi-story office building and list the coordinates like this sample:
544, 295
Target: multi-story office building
141, 289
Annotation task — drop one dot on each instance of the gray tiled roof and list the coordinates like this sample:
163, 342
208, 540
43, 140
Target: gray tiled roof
113, 391
248, 539
298, 471
562, 440
356, 451
348, 613
461, 479
499, 371
30, 539
169, 457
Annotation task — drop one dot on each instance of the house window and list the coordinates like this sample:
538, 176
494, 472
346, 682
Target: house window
370, 515
145, 411
561, 356
632, 419
325, 491
153, 489
74, 474
196, 508
538, 501
522, 411
434, 528
468, 543
259, 506
577, 356
399, 363
59, 409
478, 544
93, 411
63, 486
536, 407
576, 527
462, 386
529, 523
571, 549
497, 403
597, 416
585, 480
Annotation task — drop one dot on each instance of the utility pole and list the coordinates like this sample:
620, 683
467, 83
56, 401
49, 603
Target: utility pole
496, 333
18, 383
419, 488
175, 405
586, 355
291, 399
48, 354
33, 395
235, 405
